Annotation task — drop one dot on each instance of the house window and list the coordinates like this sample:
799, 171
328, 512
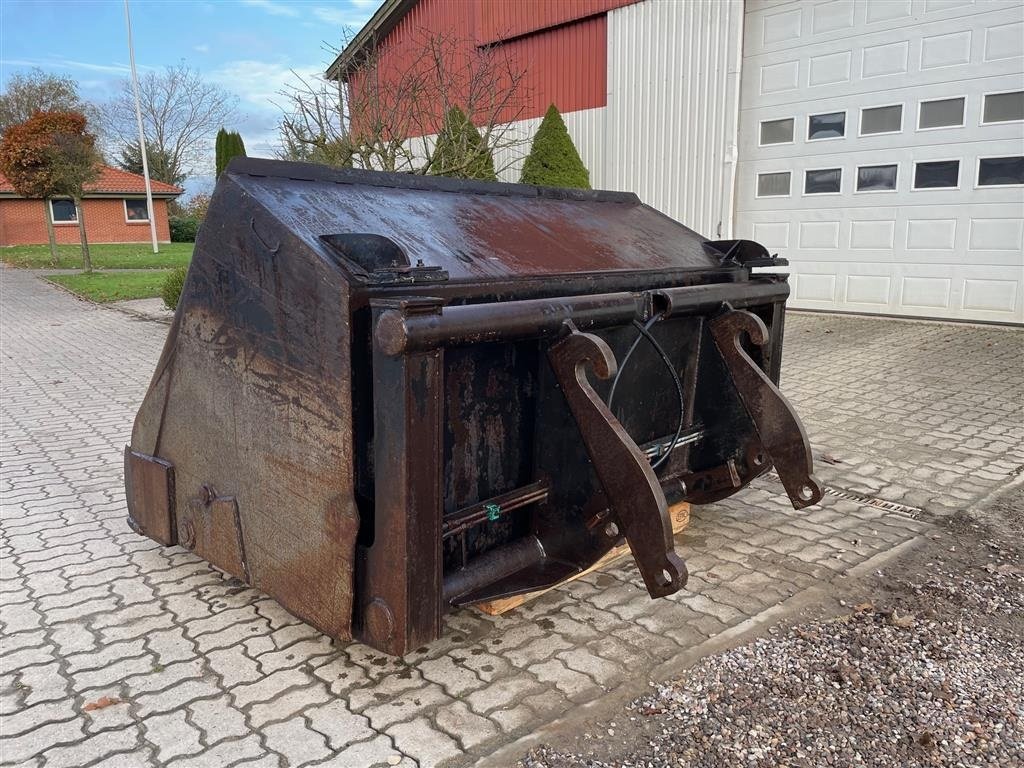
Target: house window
942, 113
1003, 107
63, 212
1000, 171
777, 131
939, 174
828, 126
826, 181
881, 120
773, 184
876, 178
135, 210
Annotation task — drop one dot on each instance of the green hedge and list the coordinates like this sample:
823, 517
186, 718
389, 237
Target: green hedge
173, 283
183, 229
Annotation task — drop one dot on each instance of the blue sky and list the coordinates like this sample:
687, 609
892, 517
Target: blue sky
249, 47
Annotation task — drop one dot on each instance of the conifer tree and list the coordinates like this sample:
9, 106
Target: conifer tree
228, 145
461, 151
553, 160
219, 146
238, 146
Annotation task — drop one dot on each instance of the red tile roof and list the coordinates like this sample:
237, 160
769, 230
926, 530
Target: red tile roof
114, 181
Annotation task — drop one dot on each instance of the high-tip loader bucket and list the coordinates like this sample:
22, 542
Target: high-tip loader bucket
384, 396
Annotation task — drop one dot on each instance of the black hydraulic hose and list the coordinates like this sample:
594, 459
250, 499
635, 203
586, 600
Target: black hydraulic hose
645, 333
629, 354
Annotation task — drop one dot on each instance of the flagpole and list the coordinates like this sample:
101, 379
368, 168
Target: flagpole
142, 135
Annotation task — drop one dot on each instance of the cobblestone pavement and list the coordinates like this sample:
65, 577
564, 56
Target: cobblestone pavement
118, 652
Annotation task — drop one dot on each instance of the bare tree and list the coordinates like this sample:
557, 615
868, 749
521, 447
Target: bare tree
181, 114
37, 91
386, 116
312, 128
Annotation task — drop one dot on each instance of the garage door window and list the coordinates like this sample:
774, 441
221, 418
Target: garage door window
63, 212
942, 113
773, 184
831, 125
876, 178
1003, 107
826, 181
881, 120
1000, 171
938, 174
777, 131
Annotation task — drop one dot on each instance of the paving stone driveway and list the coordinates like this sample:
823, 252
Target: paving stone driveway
197, 670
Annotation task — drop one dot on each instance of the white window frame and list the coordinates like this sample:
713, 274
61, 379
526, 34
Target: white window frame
963, 118
789, 143
135, 221
977, 173
53, 219
959, 174
860, 120
757, 185
981, 112
803, 187
856, 177
846, 124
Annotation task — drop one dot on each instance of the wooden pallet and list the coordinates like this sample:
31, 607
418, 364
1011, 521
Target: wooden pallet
680, 515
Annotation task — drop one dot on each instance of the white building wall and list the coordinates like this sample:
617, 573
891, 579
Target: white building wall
668, 132
673, 95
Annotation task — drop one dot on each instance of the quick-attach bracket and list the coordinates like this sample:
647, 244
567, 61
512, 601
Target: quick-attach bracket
630, 485
778, 427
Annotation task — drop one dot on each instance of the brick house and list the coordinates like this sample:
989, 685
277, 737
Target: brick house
114, 208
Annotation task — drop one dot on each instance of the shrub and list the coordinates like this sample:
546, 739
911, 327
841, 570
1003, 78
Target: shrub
183, 229
173, 283
194, 207
553, 160
461, 151
197, 206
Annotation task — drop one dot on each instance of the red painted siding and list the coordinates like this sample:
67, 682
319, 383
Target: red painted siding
560, 47
22, 223
565, 66
504, 19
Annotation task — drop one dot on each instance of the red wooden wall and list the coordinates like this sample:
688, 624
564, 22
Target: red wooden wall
560, 47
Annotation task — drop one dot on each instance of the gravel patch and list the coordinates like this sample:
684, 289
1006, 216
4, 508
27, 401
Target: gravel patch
935, 677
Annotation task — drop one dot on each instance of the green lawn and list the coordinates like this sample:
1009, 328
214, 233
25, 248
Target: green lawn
104, 256
113, 286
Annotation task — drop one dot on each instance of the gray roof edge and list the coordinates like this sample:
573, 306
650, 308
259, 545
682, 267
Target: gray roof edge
383, 21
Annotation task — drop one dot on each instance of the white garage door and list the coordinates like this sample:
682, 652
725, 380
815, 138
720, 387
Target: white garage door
882, 152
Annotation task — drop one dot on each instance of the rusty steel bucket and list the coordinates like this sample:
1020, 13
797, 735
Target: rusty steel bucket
384, 396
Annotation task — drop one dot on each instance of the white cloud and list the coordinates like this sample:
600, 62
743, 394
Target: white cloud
56, 63
201, 48
258, 85
336, 16
260, 82
272, 7
355, 14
